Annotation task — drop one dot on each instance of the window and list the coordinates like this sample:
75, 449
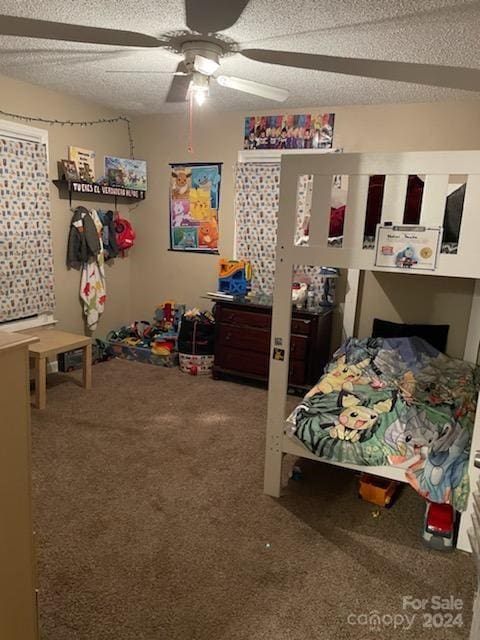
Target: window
26, 258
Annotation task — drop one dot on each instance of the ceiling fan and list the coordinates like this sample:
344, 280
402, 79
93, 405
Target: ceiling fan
203, 50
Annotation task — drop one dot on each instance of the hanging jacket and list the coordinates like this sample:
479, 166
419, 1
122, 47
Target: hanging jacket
109, 236
83, 240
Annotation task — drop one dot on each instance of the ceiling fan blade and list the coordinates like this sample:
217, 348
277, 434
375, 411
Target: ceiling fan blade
255, 88
180, 85
141, 71
210, 16
428, 74
30, 28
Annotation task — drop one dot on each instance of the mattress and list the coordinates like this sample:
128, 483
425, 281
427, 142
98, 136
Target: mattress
396, 402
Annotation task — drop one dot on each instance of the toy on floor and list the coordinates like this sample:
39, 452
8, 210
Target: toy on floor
296, 473
162, 347
167, 316
234, 276
154, 342
142, 328
196, 342
439, 522
379, 491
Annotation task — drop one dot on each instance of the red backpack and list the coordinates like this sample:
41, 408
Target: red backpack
125, 234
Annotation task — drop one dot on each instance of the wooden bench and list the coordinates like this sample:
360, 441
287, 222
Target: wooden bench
50, 343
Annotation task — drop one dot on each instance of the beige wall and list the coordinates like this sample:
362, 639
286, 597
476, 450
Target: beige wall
152, 273
158, 273
23, 98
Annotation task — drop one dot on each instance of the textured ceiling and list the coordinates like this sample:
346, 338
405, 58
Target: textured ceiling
428, 31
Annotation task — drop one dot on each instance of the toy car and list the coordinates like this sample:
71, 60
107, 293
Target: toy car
439, 525
379, 491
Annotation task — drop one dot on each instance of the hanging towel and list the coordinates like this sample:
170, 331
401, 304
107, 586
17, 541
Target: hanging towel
93, 291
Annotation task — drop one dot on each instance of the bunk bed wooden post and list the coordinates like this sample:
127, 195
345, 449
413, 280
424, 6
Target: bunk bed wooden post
280, 337
278, 379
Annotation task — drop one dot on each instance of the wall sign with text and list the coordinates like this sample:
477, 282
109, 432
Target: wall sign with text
407, 247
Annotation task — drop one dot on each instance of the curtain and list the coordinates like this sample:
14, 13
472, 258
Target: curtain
257, 191
26, 258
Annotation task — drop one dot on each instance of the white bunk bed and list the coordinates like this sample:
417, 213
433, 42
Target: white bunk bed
436, 167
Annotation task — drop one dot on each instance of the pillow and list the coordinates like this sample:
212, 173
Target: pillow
434, 334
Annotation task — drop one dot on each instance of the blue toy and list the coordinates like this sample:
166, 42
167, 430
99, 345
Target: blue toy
234, 276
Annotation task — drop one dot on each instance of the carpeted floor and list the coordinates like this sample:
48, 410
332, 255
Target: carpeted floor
151, 524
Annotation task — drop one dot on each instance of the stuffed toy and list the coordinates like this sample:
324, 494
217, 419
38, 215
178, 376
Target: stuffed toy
299, 294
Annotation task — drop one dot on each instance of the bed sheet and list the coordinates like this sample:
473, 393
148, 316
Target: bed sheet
395, 402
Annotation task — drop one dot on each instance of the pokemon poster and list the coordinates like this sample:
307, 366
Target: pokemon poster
300, 131
194, 204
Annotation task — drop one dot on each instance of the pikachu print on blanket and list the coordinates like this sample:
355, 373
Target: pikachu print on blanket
200, 208
355, 418
341, 378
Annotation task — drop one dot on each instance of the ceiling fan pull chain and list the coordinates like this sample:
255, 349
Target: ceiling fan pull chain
190, 124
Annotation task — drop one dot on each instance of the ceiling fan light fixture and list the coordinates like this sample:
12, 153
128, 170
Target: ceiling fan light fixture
200, 87
200, 96
207, 66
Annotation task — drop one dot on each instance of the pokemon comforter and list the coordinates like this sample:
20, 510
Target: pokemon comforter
399, 402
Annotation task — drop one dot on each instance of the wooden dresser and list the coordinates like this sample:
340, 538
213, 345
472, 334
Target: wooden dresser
18, 608
242, 343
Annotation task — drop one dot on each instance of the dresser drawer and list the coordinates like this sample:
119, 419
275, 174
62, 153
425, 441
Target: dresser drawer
296, 372
252, 339
248, 338
298, 347
249, 362
256, 364
244, 318
301, 325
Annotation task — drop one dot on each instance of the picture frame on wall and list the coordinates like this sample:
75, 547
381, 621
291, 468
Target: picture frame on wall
126, 172
289, 131
69, 170
194, 205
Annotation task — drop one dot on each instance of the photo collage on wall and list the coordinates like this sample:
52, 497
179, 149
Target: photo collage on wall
301, 131
194, 203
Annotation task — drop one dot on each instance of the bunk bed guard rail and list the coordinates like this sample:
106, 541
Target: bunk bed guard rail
436, 169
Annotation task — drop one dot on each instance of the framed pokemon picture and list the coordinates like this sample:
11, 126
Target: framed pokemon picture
194, 202
407, 246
